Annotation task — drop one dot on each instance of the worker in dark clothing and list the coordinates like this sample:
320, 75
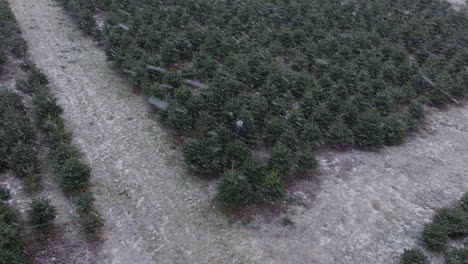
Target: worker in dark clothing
239, 130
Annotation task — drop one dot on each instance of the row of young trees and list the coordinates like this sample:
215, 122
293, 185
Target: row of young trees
18, 152
20, 139
299, 74
74, 175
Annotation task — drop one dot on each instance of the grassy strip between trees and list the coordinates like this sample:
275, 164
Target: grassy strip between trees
299, 74
448, 223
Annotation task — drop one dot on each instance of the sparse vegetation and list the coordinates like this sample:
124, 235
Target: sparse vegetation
448, 223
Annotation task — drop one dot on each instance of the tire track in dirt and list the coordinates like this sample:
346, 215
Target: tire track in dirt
153, 209
370, 206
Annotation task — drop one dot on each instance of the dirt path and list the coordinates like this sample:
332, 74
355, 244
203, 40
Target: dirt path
370, 205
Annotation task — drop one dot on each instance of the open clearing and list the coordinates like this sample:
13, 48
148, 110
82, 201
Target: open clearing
362, 208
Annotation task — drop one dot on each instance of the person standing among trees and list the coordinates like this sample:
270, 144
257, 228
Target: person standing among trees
240, 130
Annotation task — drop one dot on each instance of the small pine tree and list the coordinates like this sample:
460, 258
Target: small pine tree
234, 190
439, 93
339, 134
454, 219
91, 222
74, 175
272, 187
435, 236
235, 153
275, 127
395, 130
41, 214
289, 140
306, 160
178, 119
369, 130
169, 54
279, 106
311, 135
308, 104
23, 159
254, 170
281, 160
46, 105
84, 203
203, 156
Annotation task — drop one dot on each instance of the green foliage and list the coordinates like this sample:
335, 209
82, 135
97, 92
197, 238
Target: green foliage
203, 156
275, 127
458, 256
33, 183
413, 256
272, 187
369, 130
339, 134
286, 221
455, 220
306, 160
19, 46
333, 73
7, 215
41, 214
281, 160
66, 152
84, 203
289, 140
178, 119
12, 238
91, 222
74, 176
254, 170
395, 130
23, 159
464, 202
311, 135
234, 190
4, 194
435, 236
46, 105
17, 136
235, 153
3, 59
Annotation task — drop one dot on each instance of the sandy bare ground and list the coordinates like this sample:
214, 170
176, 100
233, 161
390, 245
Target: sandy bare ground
368, 207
